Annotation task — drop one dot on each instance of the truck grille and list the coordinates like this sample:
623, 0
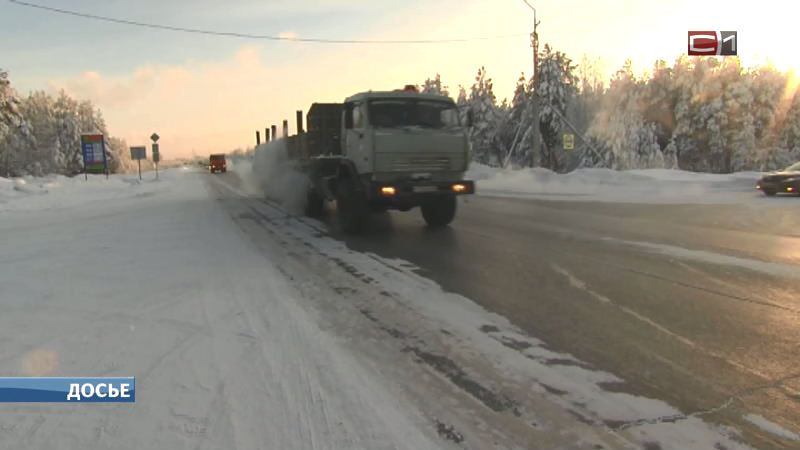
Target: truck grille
420, 163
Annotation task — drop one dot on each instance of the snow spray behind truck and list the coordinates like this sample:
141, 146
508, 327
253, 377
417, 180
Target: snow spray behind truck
383, 150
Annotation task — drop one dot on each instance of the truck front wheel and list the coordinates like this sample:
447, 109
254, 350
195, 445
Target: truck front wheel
352, 207
315, 203
439, 211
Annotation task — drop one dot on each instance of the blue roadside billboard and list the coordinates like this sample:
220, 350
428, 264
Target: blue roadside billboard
93, 147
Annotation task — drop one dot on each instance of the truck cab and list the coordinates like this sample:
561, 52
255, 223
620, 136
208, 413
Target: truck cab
404, 137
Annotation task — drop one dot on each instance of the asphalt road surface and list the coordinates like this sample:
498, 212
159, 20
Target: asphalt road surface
697, 305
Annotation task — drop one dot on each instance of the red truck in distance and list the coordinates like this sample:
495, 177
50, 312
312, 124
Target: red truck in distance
217, 163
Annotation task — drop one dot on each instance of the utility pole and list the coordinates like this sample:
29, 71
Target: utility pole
537, 140
534, 45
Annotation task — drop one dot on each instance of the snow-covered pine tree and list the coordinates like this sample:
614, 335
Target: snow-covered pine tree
462, 102
557, 81
68, 126
681, 142
483, 104
519, 122
435, 86
38, 109
740, 133
772, 104
16, 138
660, 99
8, 119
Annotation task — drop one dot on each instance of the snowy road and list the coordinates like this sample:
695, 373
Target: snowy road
250, 328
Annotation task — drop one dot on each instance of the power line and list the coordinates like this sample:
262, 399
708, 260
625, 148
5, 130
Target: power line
248, 35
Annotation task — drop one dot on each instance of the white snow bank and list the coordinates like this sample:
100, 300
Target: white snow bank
631, 186
165, 287
58, 191
772, 428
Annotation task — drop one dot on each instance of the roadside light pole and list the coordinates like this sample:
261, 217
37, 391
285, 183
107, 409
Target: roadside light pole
534, 44
534, 103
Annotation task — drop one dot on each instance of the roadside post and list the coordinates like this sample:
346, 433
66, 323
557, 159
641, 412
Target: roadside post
156, 158
138, 154
95, 160
156, 155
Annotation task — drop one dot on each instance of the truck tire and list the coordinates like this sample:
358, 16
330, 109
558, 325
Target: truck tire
315, 203
438, 212
351, 207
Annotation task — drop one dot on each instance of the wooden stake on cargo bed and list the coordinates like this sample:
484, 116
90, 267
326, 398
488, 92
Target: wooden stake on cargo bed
299, 122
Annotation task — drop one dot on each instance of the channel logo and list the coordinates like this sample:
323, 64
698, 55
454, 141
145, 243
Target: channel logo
712, 43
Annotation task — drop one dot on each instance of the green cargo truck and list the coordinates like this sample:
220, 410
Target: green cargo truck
384, 150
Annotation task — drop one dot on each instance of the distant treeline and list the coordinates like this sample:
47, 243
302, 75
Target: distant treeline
702, 114
40, 134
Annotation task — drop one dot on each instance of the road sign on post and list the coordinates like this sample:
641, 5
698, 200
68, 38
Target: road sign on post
569, 141
156, 157
93, 148
138, 154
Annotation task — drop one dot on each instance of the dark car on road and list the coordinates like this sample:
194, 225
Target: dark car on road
786, 180
217, 163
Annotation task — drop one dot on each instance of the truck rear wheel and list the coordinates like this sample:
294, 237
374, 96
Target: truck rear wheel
315, 203
439, 211
351, 207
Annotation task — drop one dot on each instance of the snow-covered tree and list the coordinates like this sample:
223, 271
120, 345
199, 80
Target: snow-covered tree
119, 156
38, 109
556, 82
15, 132
518, 125
483, 134
787, 148
621, 137
435, 86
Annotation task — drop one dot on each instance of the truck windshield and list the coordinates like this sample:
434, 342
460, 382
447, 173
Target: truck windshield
396, 113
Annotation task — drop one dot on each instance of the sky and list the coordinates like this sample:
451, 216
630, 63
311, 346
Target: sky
205, 94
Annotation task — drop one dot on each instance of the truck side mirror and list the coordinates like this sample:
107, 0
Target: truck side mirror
348, 116
470, 118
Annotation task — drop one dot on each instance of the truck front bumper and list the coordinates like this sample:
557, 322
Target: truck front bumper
410, 193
